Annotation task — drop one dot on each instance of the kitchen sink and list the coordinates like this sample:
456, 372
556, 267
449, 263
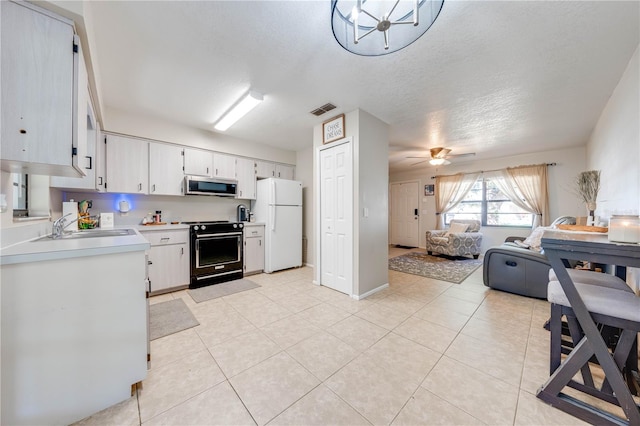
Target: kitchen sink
90, 233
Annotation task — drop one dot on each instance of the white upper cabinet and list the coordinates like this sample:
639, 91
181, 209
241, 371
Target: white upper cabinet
265, 169
38, 86
101, 162
246, 173
90, 161
285, 171
224, 166
127, 164
198, 162
165, 169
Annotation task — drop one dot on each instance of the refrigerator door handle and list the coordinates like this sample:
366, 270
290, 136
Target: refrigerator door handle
273, 192
273, 217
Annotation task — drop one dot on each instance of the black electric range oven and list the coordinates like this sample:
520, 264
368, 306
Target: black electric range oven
216, 252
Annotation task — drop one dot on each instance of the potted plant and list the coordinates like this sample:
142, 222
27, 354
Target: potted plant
587, 187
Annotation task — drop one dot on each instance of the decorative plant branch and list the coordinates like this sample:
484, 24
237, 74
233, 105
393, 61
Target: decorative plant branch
588, 185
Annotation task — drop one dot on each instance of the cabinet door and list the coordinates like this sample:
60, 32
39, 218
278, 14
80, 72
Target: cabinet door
80, 101
89, 160
284, 171
253, 254
36, 56
224, 166
168, 267
265, 169
127, 165
198, 162
165, 169
101, 160
246, 171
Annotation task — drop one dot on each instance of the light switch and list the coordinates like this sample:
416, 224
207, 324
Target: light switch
106, 220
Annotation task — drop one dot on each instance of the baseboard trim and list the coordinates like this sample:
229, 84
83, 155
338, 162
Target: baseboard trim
370, 292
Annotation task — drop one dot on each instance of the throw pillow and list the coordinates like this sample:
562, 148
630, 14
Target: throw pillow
533, 240
457, 228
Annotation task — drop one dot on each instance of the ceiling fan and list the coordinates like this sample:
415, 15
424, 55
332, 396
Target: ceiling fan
438, 156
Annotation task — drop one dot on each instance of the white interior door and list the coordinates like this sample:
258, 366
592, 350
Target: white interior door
336, 218
405, 220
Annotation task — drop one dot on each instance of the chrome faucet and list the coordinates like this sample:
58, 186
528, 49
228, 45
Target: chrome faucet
57, 229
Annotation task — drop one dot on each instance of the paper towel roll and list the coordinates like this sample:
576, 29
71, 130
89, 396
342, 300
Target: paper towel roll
70, 208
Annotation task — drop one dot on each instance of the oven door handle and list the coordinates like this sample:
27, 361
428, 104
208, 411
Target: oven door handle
226, 234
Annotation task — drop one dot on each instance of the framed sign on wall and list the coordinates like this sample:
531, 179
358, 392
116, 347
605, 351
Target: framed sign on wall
333, 129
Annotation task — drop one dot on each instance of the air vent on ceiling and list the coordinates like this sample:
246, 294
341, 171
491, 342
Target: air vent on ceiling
324, 108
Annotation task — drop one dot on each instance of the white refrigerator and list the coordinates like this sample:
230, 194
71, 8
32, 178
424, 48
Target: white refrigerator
278, 205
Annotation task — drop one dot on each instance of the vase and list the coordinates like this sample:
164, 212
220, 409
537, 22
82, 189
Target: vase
591, 207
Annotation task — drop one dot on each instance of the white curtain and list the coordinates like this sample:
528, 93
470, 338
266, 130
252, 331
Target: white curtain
526, 186
450, 190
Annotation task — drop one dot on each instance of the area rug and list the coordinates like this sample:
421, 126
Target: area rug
451, 269
169, 317
223, 289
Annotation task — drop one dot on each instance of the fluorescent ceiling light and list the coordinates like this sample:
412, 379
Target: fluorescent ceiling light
242, 107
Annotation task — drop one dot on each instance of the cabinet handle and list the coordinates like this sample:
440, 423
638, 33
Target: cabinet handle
207, 170
165, 239
149, 262
241, 193
181, 251
139, 187
154, 188
259, 242
100, 181
90, 162
216, 172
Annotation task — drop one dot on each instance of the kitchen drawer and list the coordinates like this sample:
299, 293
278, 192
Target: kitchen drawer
253, 231
161, 238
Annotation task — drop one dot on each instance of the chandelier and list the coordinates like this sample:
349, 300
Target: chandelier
379, 27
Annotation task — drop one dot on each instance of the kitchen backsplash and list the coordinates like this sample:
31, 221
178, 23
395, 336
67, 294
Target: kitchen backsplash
179, 209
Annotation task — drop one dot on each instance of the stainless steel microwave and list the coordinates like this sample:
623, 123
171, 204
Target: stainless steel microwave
202, 185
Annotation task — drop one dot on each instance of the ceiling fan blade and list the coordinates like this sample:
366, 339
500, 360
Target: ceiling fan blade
419, 162
468, 154
419, 157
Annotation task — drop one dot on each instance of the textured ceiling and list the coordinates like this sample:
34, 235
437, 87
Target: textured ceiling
494, 78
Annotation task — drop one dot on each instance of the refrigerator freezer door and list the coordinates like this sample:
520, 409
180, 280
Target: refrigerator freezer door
285, 192
283, 238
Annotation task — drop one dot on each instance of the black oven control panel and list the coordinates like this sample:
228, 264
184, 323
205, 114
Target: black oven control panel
215, 227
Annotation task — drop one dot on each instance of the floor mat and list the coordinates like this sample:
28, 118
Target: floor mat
169, 317
451, 269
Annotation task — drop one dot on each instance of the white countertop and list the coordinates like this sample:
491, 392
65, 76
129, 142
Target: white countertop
36, 250
167, 227
247, 224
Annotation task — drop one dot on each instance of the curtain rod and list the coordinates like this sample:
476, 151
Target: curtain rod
486, 171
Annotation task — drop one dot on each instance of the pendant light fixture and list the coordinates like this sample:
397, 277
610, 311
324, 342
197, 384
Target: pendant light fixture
379, 27
248, 102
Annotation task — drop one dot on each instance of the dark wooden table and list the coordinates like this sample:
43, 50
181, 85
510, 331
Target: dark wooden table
592, 247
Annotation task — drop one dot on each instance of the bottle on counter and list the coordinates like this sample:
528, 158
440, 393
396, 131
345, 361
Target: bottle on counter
158, 216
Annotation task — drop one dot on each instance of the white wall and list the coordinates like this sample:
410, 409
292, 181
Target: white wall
614, 149
562, 201
614, 146
371, 158
370, 183
304, 173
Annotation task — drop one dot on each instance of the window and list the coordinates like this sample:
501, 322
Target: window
487, 203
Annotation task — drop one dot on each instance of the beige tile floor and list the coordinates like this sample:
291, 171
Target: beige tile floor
292, 353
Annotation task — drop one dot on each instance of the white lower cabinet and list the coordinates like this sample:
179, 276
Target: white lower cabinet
168, 259
253, 249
